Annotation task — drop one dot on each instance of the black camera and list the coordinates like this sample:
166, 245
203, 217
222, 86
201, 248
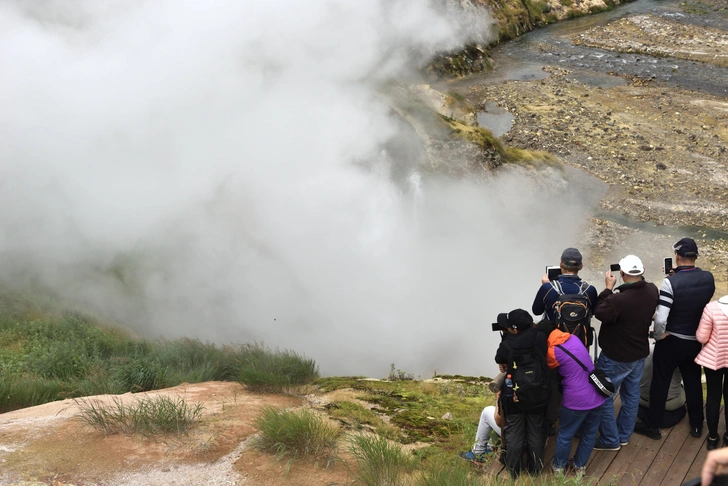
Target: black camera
614, 267
496, 327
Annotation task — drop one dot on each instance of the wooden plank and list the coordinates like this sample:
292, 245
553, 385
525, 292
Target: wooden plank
674, 458
632, 461
699, 459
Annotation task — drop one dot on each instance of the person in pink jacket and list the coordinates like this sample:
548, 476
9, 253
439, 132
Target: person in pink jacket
713, 333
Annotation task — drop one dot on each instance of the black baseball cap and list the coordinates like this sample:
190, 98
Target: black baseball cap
516, 319
686, 247
571, 257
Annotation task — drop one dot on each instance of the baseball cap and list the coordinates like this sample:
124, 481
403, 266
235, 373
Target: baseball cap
686, 247
571, 257
515, 319
631, 265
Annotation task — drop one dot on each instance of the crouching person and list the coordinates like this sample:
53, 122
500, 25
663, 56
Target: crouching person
581, 405
522, 355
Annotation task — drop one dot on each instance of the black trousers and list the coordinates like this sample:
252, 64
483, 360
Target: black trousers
670, 353
527, 427
717, 384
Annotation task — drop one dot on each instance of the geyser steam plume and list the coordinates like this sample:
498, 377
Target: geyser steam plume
195, 169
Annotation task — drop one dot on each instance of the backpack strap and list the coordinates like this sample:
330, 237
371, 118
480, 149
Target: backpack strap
572, 357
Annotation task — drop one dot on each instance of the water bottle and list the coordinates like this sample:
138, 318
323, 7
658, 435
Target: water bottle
509, 386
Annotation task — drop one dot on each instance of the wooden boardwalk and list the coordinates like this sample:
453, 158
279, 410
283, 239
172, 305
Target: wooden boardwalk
670, 461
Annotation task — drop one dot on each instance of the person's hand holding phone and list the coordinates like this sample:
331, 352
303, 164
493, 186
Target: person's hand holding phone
610, 280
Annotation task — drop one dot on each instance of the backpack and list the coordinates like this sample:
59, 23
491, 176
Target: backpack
571, 313
529, 373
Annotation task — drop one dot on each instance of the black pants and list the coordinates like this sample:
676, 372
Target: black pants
670, 353
715, 381
553, 410
669, 419
524, 427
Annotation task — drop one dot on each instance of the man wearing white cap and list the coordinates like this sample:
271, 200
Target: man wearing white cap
626, 315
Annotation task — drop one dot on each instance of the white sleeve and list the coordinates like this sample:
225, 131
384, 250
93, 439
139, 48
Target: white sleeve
663, 308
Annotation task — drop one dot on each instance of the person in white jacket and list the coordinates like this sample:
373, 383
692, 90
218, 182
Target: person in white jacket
713, 334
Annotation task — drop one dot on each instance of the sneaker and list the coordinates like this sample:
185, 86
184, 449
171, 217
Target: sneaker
696, 431
599, 446
623, 443
558, 471
472, 457
651, 432
580, 471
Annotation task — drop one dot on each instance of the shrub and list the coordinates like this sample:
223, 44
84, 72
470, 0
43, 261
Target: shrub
262, 369
148, 416
293, 433
139, 375
379, 462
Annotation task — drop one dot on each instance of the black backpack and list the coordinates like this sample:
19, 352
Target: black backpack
529, 373
571, 313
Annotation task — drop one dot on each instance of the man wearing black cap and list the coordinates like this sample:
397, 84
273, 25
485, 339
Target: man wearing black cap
520, 338
683, 295
546, 297
571, 263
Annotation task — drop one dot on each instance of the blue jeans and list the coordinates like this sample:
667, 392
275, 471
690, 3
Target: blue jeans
614, 431
585, 421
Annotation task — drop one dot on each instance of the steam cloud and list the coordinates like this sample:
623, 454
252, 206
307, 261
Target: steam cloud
195, 169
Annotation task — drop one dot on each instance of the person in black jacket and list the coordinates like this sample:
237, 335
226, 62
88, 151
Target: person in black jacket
683, 295
522, 425
626, 314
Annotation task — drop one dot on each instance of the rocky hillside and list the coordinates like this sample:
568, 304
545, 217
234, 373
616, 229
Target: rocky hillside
510, 18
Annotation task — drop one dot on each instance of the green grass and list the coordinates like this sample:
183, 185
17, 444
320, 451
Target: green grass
294, 433
148, 416
49, 352
379, 461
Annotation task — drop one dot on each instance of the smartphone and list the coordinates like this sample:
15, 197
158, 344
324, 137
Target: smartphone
553, 272
667, 263
614, 267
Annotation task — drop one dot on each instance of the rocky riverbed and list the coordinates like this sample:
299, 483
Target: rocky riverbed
660, 147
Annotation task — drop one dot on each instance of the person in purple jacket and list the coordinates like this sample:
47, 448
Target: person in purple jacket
581, 404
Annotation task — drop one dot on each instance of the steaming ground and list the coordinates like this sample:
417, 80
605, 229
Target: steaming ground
219, 173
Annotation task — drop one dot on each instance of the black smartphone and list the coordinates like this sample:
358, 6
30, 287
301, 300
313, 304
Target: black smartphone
667, 263
614, 267
553, 272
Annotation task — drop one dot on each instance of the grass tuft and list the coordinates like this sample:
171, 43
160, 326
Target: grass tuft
379, 461
266, 370
294, 433
148, 416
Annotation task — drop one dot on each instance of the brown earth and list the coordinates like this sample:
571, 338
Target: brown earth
49, 445
660, 149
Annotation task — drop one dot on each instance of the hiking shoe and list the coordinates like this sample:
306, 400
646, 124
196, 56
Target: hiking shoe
600, 446
696, 431
651, 432
474, 458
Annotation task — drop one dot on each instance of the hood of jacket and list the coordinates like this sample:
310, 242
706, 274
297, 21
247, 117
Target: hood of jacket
556, 337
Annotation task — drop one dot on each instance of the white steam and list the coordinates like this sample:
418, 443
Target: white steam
195, 169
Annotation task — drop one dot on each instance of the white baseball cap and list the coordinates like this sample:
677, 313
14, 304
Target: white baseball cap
631, 265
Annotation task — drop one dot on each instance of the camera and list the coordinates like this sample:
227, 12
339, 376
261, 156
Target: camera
553, 272
614, 267
497, 327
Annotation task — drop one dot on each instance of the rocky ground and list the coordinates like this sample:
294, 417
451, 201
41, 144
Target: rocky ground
661, 149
